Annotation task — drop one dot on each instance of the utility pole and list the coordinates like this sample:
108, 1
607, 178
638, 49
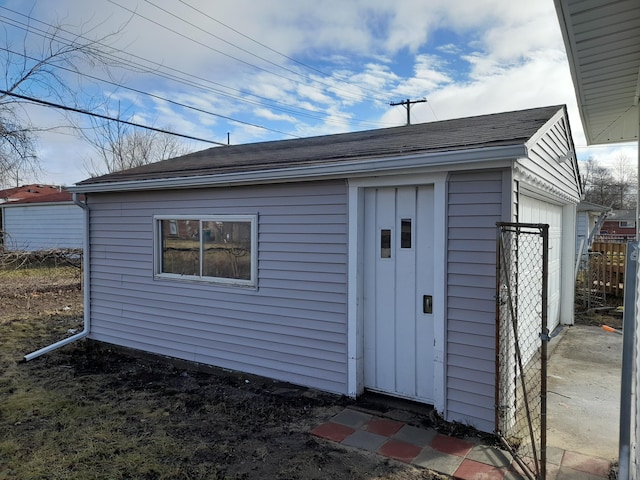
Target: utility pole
407, 104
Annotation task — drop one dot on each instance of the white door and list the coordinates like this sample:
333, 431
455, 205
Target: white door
533, 210
398, 289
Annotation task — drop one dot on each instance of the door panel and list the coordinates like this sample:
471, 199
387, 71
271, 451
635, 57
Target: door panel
398, 272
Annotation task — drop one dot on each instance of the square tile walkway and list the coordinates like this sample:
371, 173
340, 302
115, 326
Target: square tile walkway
463, 459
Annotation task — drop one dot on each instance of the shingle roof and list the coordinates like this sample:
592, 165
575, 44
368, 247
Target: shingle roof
509, 128
622, 215
57, 197
27, 191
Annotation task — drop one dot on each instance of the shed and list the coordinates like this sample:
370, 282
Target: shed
619, 226
589, 219
40, 219
344, 262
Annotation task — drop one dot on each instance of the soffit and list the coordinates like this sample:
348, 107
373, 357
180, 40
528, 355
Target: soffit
602, 38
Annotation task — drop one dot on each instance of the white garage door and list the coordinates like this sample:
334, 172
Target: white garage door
532, 210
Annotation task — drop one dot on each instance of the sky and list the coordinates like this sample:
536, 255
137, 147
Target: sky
242, 71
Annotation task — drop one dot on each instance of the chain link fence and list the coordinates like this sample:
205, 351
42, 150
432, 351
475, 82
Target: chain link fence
590, 281
521, 339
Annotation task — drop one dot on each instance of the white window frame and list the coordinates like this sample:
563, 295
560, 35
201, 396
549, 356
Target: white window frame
627, 224
157, 250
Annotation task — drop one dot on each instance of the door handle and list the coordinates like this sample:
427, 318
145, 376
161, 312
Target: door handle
427, 304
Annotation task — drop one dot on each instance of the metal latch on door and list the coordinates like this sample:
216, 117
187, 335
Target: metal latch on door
427, 304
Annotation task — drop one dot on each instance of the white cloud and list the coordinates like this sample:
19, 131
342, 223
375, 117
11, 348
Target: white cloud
609, 155
269, 115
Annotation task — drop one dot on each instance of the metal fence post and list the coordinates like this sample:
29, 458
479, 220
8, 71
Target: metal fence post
628, 332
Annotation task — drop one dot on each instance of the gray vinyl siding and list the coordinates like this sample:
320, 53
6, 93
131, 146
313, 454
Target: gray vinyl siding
42, 227
292, 327
582, 231
475, 204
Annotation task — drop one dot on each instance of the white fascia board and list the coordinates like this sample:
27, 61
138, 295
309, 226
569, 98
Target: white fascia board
38, 204
378, 166
568, 36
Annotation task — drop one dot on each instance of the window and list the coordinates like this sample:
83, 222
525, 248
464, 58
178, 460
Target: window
213, 248
405, 233
627, 224
385, 243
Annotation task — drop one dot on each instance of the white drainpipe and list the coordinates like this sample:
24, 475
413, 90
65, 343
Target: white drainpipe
87, 316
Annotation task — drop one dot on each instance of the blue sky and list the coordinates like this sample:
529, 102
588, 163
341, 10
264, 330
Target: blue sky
285, 69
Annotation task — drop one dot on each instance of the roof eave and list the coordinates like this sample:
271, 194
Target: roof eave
623, 124
566, 29
387, 165
36, 204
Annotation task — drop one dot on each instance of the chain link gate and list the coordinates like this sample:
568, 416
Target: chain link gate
591, 283
521, 343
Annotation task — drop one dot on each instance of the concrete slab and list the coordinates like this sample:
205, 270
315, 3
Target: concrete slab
416, 436
365, 440
490, 456
438, 461
352, 418
566, 473
583, 398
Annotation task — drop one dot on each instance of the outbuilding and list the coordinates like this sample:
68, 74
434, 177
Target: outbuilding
40, 217
349, 262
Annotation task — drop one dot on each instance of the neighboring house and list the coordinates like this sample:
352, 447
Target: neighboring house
38, 217
603, 48
620, 226
589, 220
344, 262
27, 191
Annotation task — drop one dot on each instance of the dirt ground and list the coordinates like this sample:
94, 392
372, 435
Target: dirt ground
90, 411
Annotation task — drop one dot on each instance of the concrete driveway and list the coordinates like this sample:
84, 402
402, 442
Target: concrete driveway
584, 391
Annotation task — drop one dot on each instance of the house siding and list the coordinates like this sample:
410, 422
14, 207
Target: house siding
542, 162
42, 227
474, 207
292, 327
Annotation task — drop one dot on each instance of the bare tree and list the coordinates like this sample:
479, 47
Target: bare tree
625, 174
598, 183
17, 147
120, 146
52, 71
612, 187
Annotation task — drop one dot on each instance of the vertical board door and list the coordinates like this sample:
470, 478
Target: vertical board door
398, 289
533, 210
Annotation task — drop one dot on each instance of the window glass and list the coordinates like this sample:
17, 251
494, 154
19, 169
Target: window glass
385, 243
181, 250
405, 234
226, 249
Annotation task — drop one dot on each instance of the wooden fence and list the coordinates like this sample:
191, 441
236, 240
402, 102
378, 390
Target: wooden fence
614, 259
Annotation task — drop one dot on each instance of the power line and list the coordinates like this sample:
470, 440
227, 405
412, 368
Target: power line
139, 67
306, 77
105, 117
254, 40
209, 47
158, 97
185, 82
310, 67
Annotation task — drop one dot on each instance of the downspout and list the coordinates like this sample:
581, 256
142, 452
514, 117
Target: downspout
86, 276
